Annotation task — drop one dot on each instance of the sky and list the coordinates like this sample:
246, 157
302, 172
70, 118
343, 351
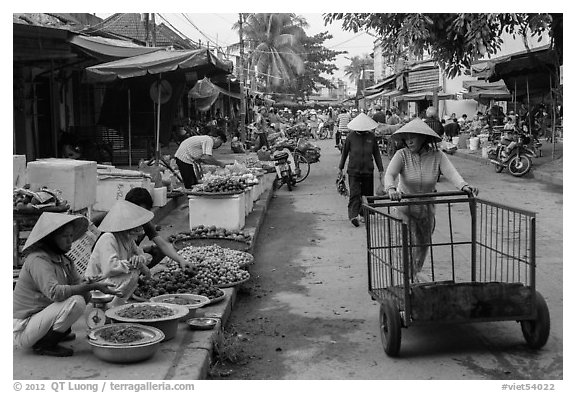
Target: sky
218, 28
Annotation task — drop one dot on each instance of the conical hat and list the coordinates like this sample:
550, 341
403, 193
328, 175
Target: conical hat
362, 122
125, 215
50, 222
417, 126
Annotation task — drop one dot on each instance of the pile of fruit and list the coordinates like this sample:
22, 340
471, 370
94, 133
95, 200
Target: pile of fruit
212, 265
217, 184
173, 281
204, 232
25, 199
219, 273
214, 255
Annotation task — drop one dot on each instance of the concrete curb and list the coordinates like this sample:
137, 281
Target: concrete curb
201, 368
540, 175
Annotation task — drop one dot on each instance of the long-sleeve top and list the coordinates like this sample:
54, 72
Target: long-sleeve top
110, 257
417, 173
363, 151
45, 278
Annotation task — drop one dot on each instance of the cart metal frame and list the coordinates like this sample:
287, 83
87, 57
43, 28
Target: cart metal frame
499, 243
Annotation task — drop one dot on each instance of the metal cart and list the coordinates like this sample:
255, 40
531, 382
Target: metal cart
480, 266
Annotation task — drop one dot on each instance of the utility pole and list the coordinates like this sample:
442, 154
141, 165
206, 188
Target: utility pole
242, 83
153, 29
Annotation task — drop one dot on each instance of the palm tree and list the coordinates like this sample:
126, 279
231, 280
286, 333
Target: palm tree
274, 44
355, 71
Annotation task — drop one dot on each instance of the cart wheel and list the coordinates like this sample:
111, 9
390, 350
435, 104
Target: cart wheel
536, 331
390, 328
498, 168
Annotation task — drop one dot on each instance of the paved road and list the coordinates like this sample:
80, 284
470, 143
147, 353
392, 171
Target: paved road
308, 314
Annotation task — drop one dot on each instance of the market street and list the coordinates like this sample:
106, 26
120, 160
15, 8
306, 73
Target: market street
308, 314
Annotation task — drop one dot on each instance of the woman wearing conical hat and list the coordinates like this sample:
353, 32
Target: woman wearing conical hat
362, 149
115, 256
414, 169
50, 295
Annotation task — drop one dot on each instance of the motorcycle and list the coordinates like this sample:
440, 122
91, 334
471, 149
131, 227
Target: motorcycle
343, 136
284, 164
518, 160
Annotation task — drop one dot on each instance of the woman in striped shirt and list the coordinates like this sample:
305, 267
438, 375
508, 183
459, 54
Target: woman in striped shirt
414, 169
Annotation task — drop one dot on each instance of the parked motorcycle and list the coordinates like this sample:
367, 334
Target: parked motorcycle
518, 160
284, 169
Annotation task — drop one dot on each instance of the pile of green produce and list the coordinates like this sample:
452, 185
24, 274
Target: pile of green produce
173, 281
24, 198
204, 232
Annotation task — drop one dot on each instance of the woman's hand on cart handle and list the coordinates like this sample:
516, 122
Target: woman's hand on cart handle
394, 194
471, 190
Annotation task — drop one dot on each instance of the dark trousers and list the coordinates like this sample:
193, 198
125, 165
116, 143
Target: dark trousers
362, 185
187, 173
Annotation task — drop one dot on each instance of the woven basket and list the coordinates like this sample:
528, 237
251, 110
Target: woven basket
82, 248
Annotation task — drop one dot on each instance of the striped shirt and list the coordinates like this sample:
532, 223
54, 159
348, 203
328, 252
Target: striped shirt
413, 173
343, 120
194, 147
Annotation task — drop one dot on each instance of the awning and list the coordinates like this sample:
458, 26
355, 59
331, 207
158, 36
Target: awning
424, 95
483, 85
497, 95
376, 95
108, 49
378, 87
485, 69
207, 92
201, 61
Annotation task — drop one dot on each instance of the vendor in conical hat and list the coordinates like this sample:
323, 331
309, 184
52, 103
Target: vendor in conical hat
50, 295
116, 257
362, 148
415, 169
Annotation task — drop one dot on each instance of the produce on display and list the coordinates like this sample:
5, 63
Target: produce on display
145, 311
26, 199
204, 232
215, 254
183, 301
121, 334
217, 184
175, 281
213, 265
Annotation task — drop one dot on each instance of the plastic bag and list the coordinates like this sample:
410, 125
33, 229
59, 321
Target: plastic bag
341, 185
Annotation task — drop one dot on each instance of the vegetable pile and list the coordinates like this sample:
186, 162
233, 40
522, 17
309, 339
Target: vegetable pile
220, 185
25, 199
183, 301
145, 311
121, 334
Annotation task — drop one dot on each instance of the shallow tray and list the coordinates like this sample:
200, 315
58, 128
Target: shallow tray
202, 323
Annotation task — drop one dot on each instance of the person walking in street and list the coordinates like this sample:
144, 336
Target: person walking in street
115, 256
342, 124
392, 118
379, 116
414, 169
313, 123
50, 295
161, 248
195, 150
433, 122
363, 151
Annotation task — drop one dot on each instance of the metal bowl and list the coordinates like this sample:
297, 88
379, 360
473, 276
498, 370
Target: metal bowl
202, 323
196, 301
168, 325
129, 352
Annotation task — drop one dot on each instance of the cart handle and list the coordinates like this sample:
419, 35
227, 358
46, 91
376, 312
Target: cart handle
425, 195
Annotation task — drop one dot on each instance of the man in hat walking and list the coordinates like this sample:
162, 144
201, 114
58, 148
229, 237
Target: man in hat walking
363, 150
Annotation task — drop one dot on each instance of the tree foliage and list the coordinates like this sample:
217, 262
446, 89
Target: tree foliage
358, 65
453, 40
318, 60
